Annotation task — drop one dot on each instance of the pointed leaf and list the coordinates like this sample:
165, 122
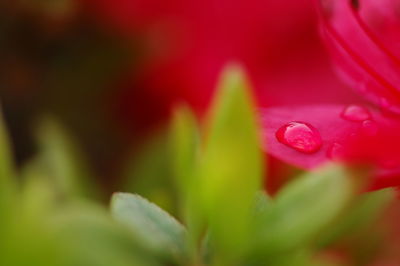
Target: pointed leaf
89, 236
60, 160
148, 172
365, 210
7, 170
262, 202
185, 146
304, 208
231, 167
8, 181
156, 228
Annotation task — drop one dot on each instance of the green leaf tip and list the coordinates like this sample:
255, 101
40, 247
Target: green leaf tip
156, 228
231, 168
185, 142
304, 208
62, 161
8, 180
185, 155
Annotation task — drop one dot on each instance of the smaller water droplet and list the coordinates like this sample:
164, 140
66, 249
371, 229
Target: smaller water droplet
300, 136
353, 136
356, 113
384, 103
370, 128
335, 151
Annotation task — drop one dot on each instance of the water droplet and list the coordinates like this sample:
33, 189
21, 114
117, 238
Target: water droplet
300, 136
353, 136
335, 151
384, 103
370, 128
356, 113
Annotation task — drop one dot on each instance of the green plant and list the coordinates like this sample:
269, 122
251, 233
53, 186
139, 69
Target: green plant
51, 215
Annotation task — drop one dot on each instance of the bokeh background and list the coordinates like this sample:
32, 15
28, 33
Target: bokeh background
111, 71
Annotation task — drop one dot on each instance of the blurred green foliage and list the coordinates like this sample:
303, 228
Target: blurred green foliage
231, 167
209, 175
46, 220
159, 231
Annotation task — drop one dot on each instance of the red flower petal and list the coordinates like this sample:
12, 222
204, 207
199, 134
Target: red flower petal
381, 21
324, 118
363, 60
374, 142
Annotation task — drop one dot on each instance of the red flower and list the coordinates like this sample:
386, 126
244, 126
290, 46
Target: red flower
364, 38
361, 36
186, 43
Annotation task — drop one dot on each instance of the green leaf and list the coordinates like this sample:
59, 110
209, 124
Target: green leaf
38, 195
62, 162
7, 168
231, 167
28, 241
364, 211
185, 140
8, 181
303, 209
185, 147
300, 257
89, 236
27, 238
148, 172
262, 203
156, 228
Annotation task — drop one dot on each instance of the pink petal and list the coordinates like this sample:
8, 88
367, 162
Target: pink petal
381, 20
304, 78
187, 42
325, 118
363, 61
385, 178
357, 141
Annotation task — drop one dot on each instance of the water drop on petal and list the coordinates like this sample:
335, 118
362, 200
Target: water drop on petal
356, 113
300, 136
335, 151
384, 103
370, 128
389, 106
